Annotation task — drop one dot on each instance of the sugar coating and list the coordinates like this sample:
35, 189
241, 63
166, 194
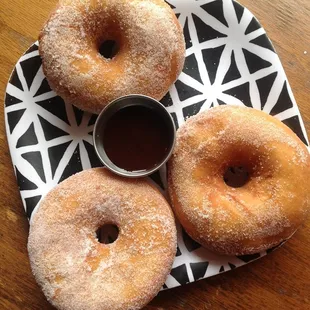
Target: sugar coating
74, 270
252, 218
151, 50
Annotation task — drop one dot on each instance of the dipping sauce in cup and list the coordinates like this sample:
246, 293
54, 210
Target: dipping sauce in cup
134, 136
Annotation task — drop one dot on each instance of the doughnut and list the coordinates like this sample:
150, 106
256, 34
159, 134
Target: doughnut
77, 272
148, 37
254, 216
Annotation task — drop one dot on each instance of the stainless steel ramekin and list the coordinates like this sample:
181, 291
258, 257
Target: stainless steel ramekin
112, 109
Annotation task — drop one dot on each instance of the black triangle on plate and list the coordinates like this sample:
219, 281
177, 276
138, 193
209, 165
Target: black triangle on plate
294, 124
180, 274
233, 72
14, 117
56, 106
232, 266
93, 158
211, 58
44, 88
28, 138
199, 269
191, 67
30, 68
55, 154
185, 91
51, 131
248, 258
255, 62
92, 120
220, 102
31, 203
172, 6
14, 80
167, 101
35, 160
253, 25
157, 179
215, 9
33, 48
178, 252
192, 109
263, 41
206, 32
190, 244
264, 86
78, 115
23, 183
165, 286
241, 92
177, 15
222, 269
187, 37
11, 100
284, 101
239, 9
175, 119
73, 166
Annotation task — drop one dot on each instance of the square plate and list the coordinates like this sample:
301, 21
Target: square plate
229, 60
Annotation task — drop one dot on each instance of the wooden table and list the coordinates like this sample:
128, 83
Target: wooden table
279, 281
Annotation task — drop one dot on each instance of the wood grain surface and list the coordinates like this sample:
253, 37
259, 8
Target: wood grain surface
280, 280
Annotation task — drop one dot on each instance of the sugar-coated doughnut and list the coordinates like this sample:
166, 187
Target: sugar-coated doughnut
263, 212
150, 42
77, 272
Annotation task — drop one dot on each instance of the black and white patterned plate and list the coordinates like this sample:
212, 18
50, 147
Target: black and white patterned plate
229, 60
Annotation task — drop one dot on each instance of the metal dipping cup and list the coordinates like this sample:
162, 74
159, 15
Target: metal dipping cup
115, 106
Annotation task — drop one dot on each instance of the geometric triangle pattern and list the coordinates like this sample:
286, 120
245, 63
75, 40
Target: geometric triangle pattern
284, 101
254, 62
211, 58
263, 41
238, 10
30, 67
241, 92
14, 117
199, 269
264, 85
74, 165
28, 138
31, 203
233, 71
35, 159
44, 87
229, 60
191, 68
253, 25
215, 9
55, 106
50, 131
55, 154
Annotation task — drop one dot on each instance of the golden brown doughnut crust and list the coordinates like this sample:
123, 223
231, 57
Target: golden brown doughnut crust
150, 58
75, 271
262, 213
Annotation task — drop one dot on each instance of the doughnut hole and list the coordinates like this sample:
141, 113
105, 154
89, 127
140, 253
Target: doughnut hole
236, 176
109, 49
245, 164
107, 233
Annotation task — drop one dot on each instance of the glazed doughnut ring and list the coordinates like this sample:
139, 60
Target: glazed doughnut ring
250, 217
77, 272
150, 55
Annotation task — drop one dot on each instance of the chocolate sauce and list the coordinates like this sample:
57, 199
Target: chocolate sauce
136, 138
